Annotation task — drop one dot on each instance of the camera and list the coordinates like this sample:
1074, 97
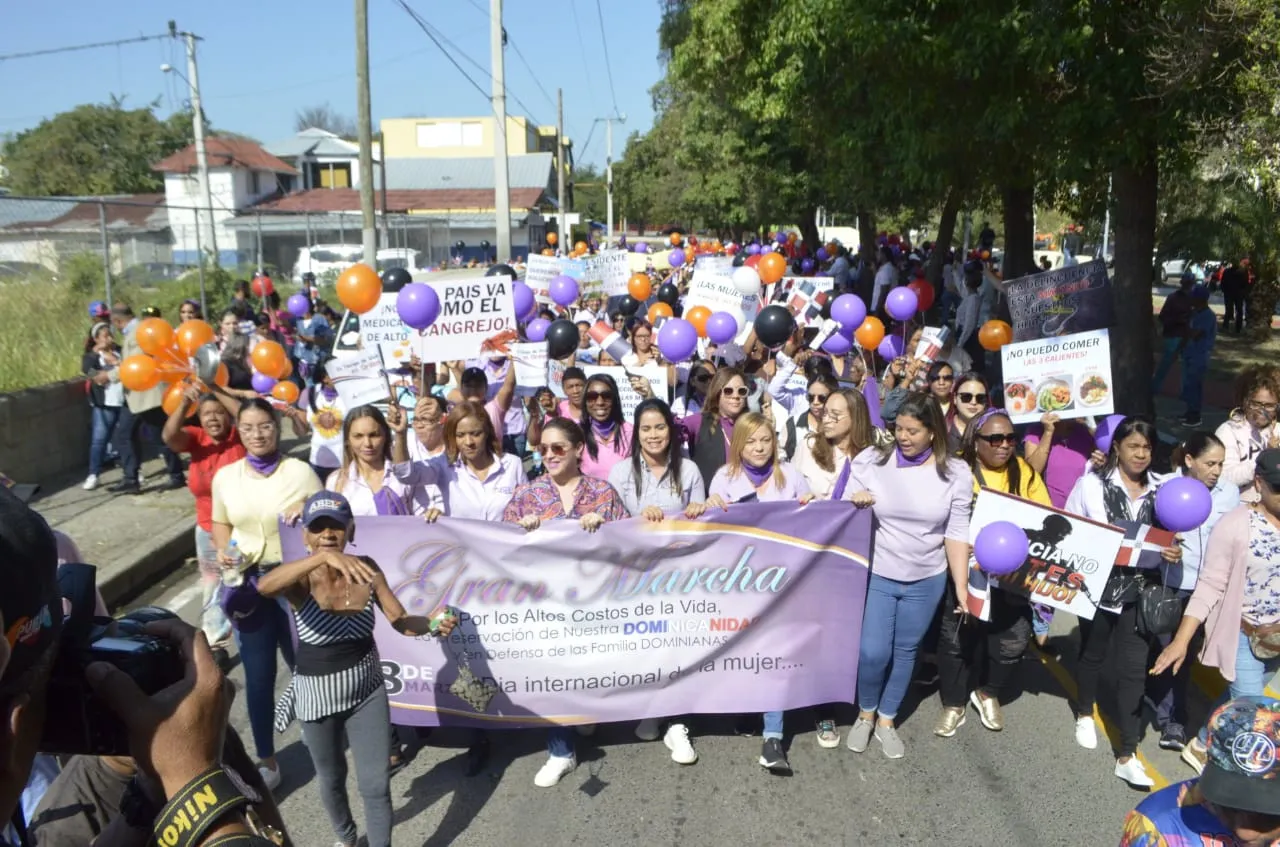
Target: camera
77, 722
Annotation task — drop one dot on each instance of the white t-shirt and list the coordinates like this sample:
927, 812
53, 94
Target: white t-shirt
326, 430
885, 278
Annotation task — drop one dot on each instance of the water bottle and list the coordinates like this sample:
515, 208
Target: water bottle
232, 575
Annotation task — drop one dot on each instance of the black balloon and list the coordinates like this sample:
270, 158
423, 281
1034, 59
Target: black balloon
484, 245
562, 338
669, 294
501, 270
629, 305
394, 279
459, 244
738, 259
774, 325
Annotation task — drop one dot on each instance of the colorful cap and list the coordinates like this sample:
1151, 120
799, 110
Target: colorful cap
98, 309
327, 504
1242, 769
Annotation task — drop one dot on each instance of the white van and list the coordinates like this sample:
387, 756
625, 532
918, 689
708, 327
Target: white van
322, 259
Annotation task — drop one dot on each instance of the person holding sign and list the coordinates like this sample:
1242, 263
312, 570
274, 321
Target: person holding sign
922, 500
969, 400
1123, 489
977, 660
563, 492
607, 435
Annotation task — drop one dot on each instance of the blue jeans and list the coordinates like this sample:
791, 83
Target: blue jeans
894, 622
1168, 355
560, 741
104, 424
258, 655
773, 725
1252, 676
1193, 384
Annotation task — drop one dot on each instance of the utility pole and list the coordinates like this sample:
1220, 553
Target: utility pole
197, 120
106, 250
608, 173
560, 218
501, 190
364, 120
382, 166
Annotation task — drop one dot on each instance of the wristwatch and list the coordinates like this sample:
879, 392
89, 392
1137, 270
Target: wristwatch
137, 809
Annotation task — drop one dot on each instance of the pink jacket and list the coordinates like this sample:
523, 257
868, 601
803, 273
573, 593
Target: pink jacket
1219, 596
1243, 444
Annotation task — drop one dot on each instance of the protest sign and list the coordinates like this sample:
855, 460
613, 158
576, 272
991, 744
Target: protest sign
382, 329
656, 374
477, 316
1069, 375
358, 378
608, 270
751, 610
530, 358
1068, 564
712, 264
805, 297
538, 273
1060, 301
718, 294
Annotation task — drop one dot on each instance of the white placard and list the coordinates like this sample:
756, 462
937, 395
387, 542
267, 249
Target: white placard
656, 374
611, 269
718, 293
381, 328
530, 358
1069, 375
538, 273
477, 317
358, 378
721, 265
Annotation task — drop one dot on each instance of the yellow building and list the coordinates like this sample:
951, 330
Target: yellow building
464, 137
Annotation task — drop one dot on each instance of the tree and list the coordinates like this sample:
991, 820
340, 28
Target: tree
95, 149
586, 186
324, 117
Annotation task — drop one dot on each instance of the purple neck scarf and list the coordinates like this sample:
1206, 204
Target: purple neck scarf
602, 429
760, 475
726, 426
915, 461
387, 502
842, 481
329, 393
265, 465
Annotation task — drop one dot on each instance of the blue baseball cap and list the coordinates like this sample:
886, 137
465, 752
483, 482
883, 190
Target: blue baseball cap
327, 504
1200, 292
99, 309
1243, 768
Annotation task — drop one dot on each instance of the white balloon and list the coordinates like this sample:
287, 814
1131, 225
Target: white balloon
746, 280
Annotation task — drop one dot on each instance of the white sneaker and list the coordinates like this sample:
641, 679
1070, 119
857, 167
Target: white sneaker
556, 769
1134, 773
677, 741
90, 482
270, 777
648, 729
1087, 733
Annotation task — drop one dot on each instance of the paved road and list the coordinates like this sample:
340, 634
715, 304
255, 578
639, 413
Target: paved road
1027, 785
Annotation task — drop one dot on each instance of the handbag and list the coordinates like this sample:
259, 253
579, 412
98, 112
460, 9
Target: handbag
1159, 608
471, 689
242, 604
1264, 639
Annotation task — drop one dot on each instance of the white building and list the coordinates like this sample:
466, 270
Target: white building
322, 159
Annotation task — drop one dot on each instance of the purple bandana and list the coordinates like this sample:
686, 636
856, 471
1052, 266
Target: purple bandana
265, 465
329, 393
760, 475
602, 429
387, 502
915, 461
842, 481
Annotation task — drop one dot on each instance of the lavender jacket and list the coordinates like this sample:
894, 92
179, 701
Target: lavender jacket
1219, 596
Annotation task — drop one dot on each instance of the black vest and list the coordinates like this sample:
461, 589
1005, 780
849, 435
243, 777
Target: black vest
708, 450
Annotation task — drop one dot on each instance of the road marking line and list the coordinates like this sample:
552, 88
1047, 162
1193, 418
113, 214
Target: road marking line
1069, 686
1211, 683
184, 598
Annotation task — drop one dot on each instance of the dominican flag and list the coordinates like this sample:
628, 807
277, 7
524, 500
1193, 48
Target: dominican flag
979, 593
1142, 545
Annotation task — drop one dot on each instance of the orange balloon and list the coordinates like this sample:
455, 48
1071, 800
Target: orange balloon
548, 252
870, 334
288, 369
173, 399
552, 238
139, 373
771, 268
994, 334
269, 359
192, 335
153, 335
659, 310
580, 247
285, 392
639, 286
171, 365
358, 289
223, 376
698, 316
675, 239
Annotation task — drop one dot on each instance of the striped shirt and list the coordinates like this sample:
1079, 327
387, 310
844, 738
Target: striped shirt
312, 697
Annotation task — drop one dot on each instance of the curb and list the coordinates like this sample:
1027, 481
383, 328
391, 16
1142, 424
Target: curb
171, 548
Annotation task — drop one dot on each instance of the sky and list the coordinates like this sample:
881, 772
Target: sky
263, 60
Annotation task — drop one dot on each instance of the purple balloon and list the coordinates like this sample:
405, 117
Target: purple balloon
806, 266
1106, 429
522, 295
642, 247
823, 255
838, 344
1001, 547
849, 310
902, 304
677, 339
891, 347
537, 329
262, 383
676, 257
1183, 503
298, 305
418, 305
780, 237
722, 327
563, 289
753, 249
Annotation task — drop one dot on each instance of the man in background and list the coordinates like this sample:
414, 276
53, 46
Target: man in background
141, 409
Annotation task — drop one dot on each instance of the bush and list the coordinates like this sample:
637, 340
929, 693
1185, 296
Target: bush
83, 272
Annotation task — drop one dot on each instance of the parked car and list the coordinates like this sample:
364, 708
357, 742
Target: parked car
323, 259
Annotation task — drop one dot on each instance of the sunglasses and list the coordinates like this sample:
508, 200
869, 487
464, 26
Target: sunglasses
996, 439
967, 397
593, 396
944, 378
820, 399
702, 377
730, 391
557, 449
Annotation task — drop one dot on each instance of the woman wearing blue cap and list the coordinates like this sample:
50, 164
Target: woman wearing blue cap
337, 691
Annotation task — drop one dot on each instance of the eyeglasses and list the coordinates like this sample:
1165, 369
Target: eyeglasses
557, 449
1269, 408
260, 429
944, 378
730, 391
835, 417
820, 399
998, 438
967, 397
642, 336
594, 396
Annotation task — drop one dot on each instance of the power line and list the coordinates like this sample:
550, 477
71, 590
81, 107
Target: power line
53, 50
607, 67
582, 51
427, 30
533, 75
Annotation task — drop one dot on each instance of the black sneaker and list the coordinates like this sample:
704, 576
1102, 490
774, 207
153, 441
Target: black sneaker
126, 487
772, 758
1173, 738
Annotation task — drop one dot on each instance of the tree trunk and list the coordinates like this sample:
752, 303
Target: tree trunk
809, 228
1135, 185
1019, 231
866, 252
946, 230
1261, 303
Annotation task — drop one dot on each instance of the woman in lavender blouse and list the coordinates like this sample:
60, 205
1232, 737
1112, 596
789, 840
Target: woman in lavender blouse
754, 473
922, 499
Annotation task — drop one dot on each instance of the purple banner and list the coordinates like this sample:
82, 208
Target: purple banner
750, 610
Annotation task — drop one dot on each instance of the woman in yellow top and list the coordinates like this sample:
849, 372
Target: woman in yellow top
977, 659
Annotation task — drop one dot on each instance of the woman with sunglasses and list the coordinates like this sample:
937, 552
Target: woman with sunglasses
564, 492
922, 499
978, 660
709, 432
939, 380
754, 472
968, 401
1122, 490
607, 435
1251, 428
691, 400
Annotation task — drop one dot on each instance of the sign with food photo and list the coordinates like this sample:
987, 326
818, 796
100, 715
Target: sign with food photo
1069, 375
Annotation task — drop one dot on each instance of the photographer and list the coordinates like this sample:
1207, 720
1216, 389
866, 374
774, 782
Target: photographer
175, 735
